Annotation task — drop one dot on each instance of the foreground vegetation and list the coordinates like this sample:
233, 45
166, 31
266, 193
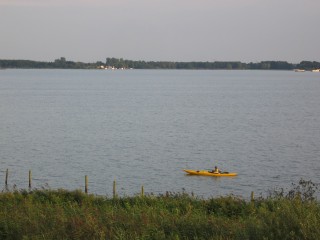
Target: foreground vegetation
61, 214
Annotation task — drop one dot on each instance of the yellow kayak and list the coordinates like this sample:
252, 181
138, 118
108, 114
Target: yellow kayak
210, 173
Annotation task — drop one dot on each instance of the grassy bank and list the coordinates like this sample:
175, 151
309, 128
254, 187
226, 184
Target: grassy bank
61, 214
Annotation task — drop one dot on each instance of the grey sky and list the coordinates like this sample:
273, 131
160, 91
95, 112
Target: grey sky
175, 30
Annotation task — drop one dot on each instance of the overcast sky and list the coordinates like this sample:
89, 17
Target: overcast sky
173, 30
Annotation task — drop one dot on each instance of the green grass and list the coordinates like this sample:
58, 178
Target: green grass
62, 214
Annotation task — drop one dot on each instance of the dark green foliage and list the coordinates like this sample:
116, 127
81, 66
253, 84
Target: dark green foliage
61, 214
57, 64
304, 190
228, 207
275, 65
62, 63
308, 65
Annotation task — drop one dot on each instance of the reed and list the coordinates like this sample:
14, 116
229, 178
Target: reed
62, 214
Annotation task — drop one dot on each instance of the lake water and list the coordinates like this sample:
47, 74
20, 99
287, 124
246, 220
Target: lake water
143, 127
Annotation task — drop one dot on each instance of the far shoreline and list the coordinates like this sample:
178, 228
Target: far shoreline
122, 64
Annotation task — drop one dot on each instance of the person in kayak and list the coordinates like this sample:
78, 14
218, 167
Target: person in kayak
216, 170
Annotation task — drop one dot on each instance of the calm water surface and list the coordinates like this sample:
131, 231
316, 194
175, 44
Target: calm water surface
142, 127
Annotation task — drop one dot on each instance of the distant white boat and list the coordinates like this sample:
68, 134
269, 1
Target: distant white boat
299, 70
316, 70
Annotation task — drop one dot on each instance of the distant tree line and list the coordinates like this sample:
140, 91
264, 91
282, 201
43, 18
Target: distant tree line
267, 65
62, 63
